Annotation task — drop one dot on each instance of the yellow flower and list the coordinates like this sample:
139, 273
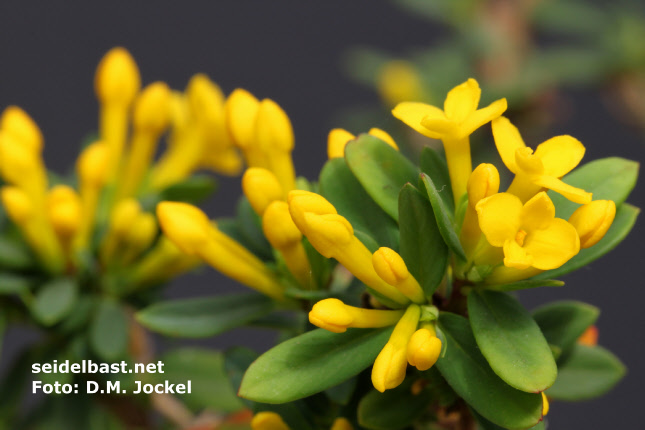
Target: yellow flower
424, 349
541, 169
261, 187
453, 125
392, 269
339, 138
398, 81
333, 236
64, 213
529, 234
545, 405
341, 423
592, 221
390, 365
268, 421
20, 126
337, 317
274, 137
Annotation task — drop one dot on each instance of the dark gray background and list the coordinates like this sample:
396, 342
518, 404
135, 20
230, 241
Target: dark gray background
290, 51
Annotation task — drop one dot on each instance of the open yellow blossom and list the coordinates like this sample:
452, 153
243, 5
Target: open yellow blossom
592, 221
453, 125
337, 317
191, 230
339, 138
529, 234
20, 126
390, 365
392, 269
424, 349
541, 169
268, 421
333, 236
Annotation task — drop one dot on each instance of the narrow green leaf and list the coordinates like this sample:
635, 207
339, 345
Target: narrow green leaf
433, 165
381, 170
422, 247
470, 375
511, 341
194, 190
54, 300
342, 189
109, 331
610, 178
394, 409
211, 387
310, 363
11, 283
444, 217
204, 316
626, 215
562, 323
525, 284
587, 373
250, 227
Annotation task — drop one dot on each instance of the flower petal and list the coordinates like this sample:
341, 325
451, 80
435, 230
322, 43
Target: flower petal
440, 126
515, 256
499, 217
508, 140
560, 155
482, 116
553, 246
462, 101
538, 213
577, 195
412, 113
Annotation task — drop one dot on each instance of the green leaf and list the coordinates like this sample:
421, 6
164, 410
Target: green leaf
422, 247
11, 283
340, 187
342, 393
433, 165
444, 217
250, 227
15, 255
588, 372
626, 215
381, 170
525, 284
109, 331
204, 316
470, 375
394, 409
54, 301
310, 363
193, 190
511, 341
236, 361
610, 178
562, 323
210, 384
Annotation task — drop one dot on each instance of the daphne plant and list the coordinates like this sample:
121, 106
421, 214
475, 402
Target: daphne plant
410, 272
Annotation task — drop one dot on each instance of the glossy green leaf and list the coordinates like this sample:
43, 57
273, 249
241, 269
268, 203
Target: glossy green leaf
210, 386
381, 170
394, 409
109, 331
626, 215
310, 363
588, 372
470, 375
511, 341
444, 217
433, 165
342, 189
525, 284
249, 225
610, 178
204, 316
562, 323
54, 300
11, 283
194, 190
422, 247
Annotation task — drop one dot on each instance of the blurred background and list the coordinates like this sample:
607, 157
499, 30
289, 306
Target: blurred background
566, 69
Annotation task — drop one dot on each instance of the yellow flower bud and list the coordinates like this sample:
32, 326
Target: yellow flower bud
17, 123
336, 142
592, 221
398, 81
424, 349
241, 111
152, 109
206, 102
20, 165
337, 317
274, 138
483, 182
268, 421
384, 136
64, 210
186, 225
92, 165
279, 228
124, 215
392, 269
17, 204
117, 78
327, 233
261, 187
545, 405
301, 202
391, 363
164, 261
341, 423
